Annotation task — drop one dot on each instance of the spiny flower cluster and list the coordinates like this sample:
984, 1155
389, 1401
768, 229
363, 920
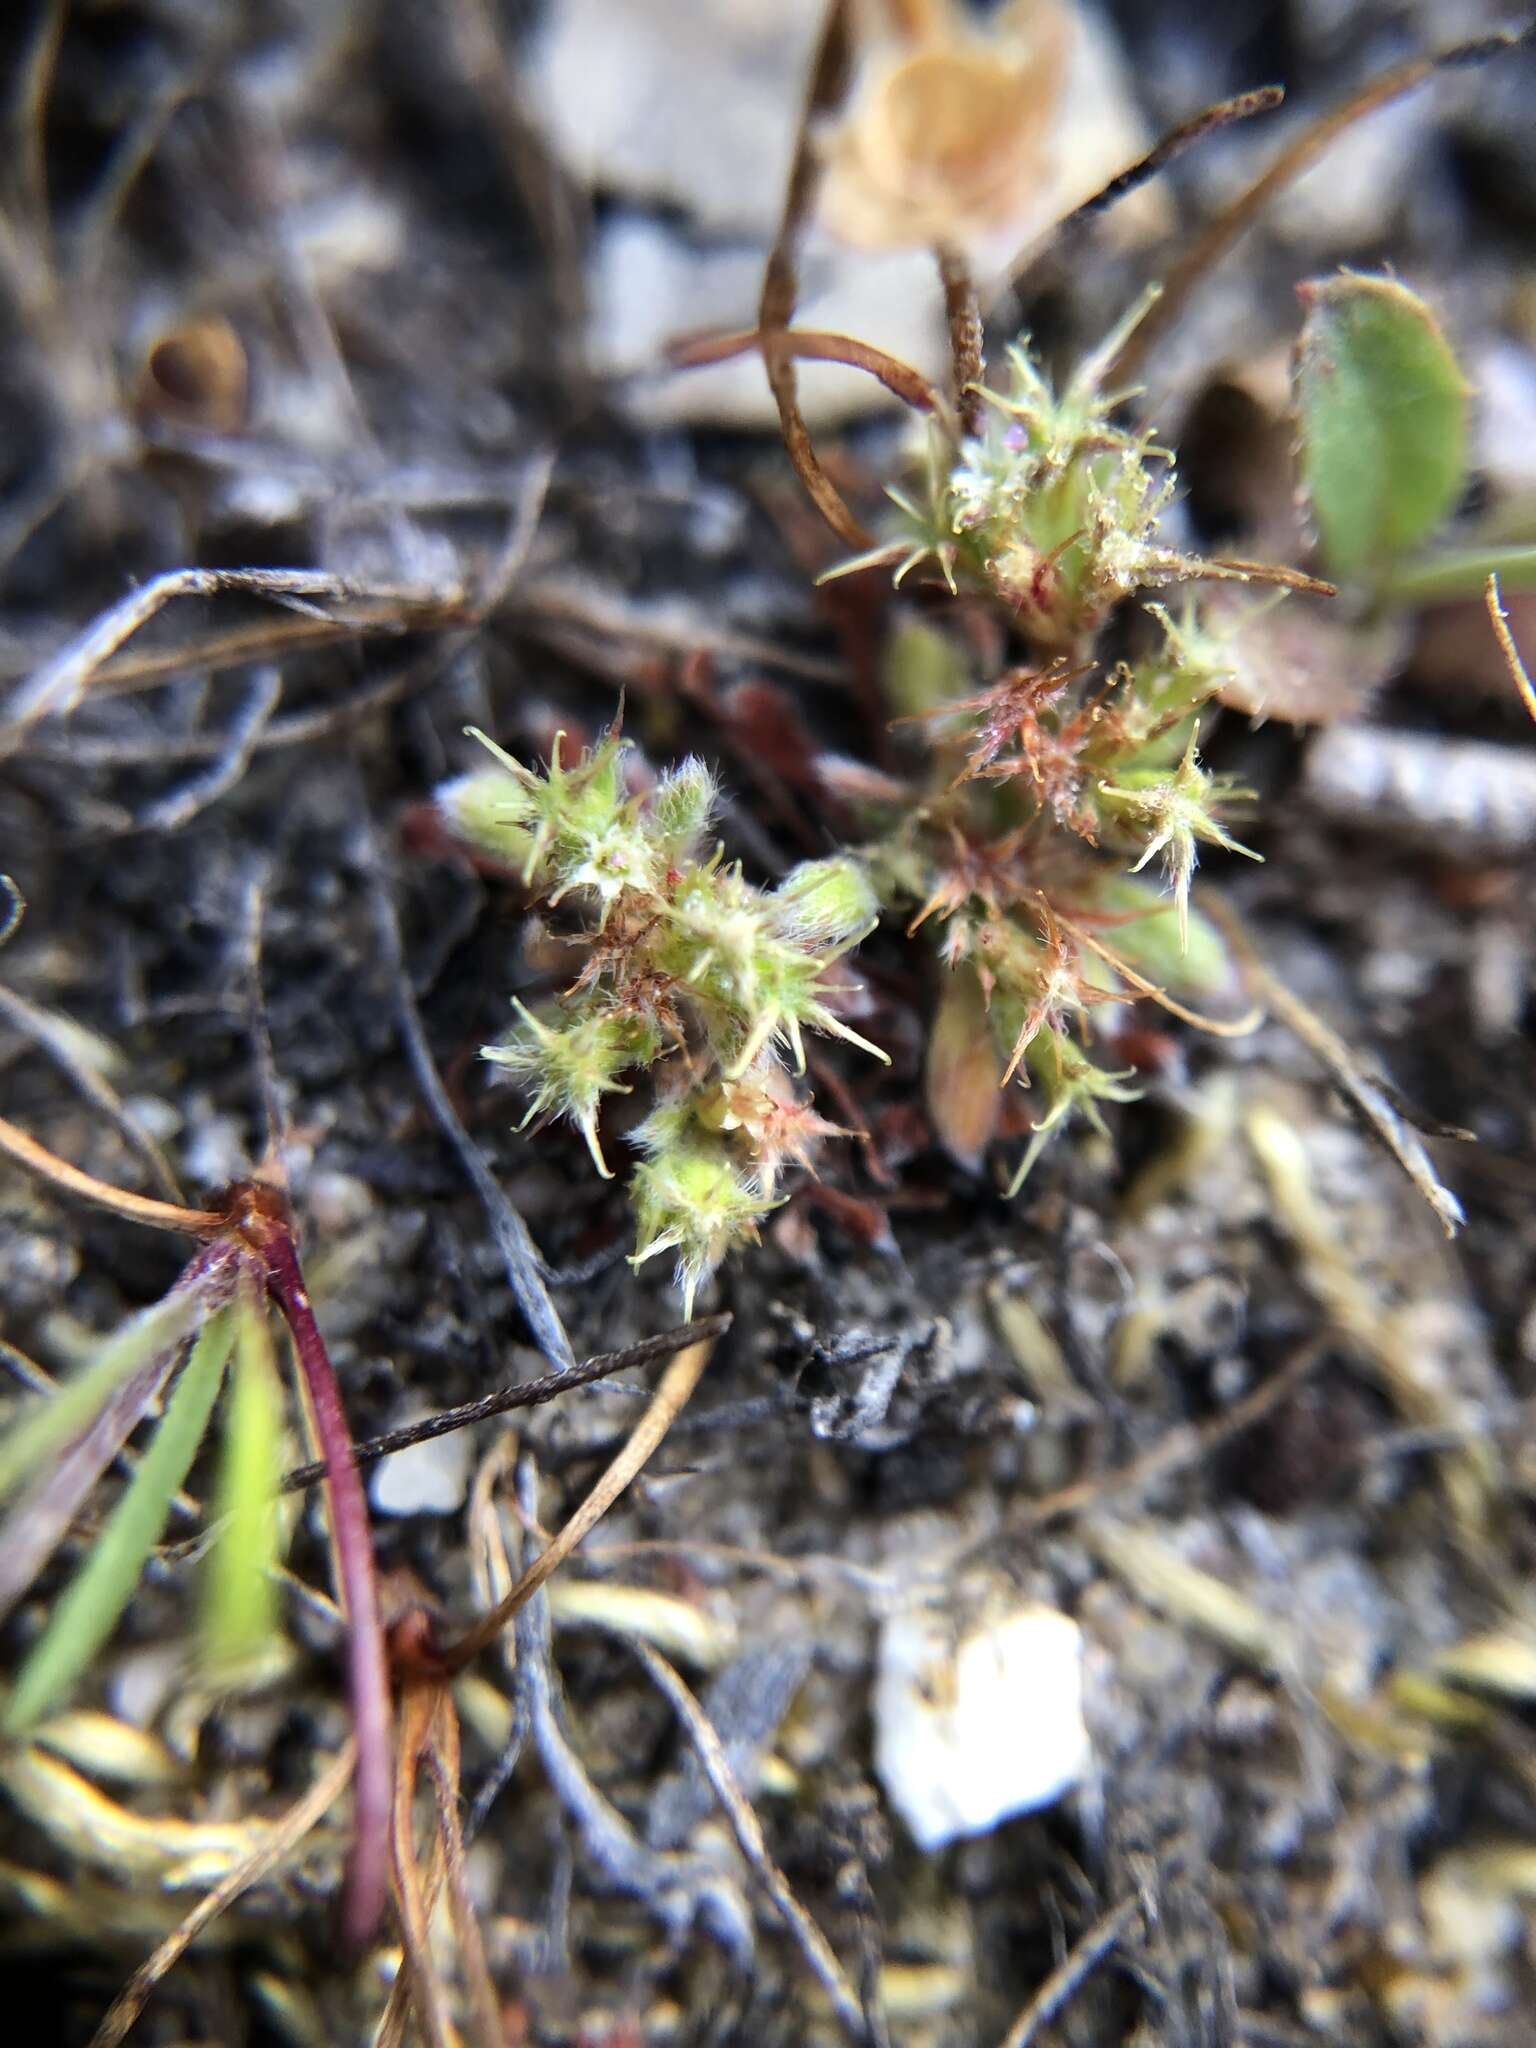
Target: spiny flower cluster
1053, 507
689, 967
1036, 781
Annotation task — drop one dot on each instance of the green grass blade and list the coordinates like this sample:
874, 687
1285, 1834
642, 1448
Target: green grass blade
89, 1609
38, 1436
239, 1616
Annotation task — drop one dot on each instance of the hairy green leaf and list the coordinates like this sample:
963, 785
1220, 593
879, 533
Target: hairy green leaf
89, 1609
1382, 407
239, 1597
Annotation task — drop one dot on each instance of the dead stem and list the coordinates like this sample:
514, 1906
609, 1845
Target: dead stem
672, 1393
1241, 107
421, 1981
526, 1394
1071, 1973
1213, 1027
1233, 221
70, 1180
746, 1827
1519, 675
278, 1842
962, 309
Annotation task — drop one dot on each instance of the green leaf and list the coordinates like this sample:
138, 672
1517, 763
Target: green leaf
48, 1428
1382, 406
239, 1598
89, 1609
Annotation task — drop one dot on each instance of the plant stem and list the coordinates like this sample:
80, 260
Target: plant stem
367, 1676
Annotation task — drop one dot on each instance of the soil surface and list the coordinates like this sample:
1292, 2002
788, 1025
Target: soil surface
292, 288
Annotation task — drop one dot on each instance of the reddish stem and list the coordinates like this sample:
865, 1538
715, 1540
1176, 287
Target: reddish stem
367, 1881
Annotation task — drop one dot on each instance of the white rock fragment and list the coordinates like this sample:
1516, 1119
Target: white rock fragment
969, 1733
431, 1478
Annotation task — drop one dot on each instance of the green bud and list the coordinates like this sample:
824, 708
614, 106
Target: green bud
680, 808
490, 811
570, 1067
826, 903
690, 1198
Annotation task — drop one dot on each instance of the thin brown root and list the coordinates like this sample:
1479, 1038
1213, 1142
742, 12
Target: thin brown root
1242, 107
278, 1842
745, 1826
1519, 674
70, 1180
812, 345
667, 1403
1213, 1027
1369, 1097
1234, 220
776, 308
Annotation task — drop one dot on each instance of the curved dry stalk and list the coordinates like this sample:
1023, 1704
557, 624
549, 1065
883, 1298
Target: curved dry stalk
1213, 1027
71, 1180
278, 1842
745, 1826
1498, 618
813, 345
1235, 219
667, 1403
776, 308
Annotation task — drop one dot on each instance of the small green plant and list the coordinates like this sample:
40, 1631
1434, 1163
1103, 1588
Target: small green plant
690, 970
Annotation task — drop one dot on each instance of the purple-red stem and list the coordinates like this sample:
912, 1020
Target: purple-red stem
367, 1883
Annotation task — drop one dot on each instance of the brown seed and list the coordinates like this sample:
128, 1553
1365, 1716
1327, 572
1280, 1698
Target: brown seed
197, 376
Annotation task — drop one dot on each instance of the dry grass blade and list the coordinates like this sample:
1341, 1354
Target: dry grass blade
745, 1826
1519, 674
60, 1040
277, 1844
672, 1394
1370, 1098
776, 308
421, 1981
1233, 221
443, 1769
59, 684
1070, 1974
70, 1180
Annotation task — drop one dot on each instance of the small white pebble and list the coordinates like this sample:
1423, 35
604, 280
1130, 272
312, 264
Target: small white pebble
969, 1733
431, 1478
